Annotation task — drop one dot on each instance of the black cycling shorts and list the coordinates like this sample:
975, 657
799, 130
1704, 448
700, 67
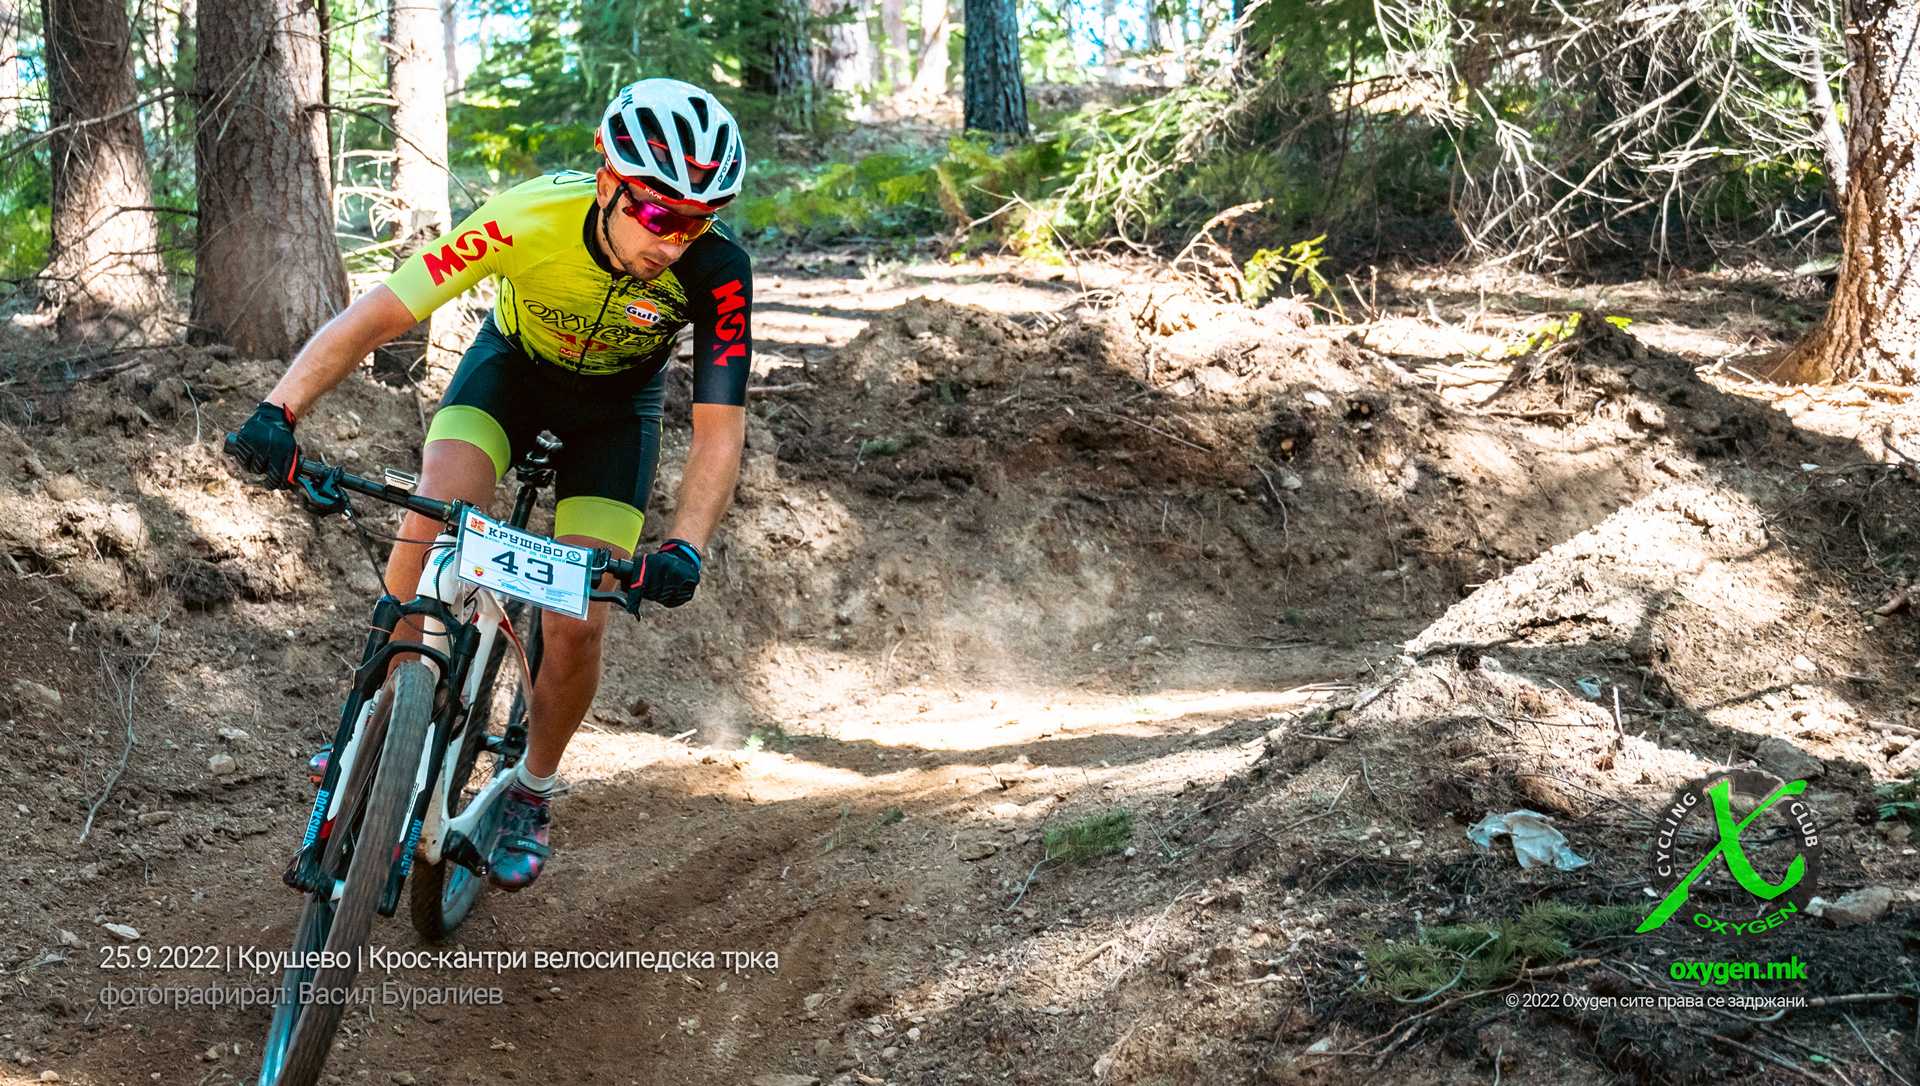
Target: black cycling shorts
501, 398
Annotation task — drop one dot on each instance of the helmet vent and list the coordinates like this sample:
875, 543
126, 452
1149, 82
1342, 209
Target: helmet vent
700, 110
657, 142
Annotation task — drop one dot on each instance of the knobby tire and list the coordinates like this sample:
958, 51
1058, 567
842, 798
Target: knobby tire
376, 845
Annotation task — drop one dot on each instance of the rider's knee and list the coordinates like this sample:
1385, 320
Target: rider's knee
573, 636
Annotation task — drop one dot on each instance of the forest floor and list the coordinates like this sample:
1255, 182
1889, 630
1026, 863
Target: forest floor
1016, 547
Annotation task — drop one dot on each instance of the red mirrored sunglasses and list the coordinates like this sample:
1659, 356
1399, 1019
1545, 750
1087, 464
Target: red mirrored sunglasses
669, 225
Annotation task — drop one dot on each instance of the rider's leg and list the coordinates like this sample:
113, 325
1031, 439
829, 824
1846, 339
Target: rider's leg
450, 470
569, 674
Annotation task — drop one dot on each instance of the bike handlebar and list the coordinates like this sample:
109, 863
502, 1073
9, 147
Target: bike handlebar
447, 513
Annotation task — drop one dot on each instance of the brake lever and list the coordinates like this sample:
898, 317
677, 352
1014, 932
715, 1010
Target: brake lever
323, 496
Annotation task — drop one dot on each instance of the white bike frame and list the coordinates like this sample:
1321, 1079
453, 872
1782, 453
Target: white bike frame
440, 581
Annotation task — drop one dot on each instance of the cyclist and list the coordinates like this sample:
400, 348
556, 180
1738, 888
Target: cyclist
596, 273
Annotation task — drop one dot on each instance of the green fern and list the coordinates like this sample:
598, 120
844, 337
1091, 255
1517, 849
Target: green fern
1089, 838
1484, 956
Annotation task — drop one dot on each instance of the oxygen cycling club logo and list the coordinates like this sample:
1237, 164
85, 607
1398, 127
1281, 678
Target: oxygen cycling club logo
1734, 855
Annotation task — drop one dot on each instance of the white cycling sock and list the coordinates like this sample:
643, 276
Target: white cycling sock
539, 786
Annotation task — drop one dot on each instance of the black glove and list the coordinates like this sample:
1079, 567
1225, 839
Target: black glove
265, 446
668, 576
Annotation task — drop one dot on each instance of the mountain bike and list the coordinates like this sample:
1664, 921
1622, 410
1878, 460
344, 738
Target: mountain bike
413, 781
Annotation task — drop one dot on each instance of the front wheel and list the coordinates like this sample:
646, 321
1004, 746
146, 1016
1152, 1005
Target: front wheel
440, 894
375, 846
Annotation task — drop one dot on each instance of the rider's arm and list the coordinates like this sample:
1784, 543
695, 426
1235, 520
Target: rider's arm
713, 467
722, 361
373, 319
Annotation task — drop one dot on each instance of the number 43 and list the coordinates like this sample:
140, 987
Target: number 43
539, 572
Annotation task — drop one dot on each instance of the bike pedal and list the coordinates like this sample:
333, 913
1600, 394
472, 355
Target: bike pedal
462, 851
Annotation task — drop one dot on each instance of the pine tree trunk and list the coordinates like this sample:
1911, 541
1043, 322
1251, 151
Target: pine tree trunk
893, 23
269, 272
843, 61
1110, 39
930, 77
9, 66
450, 44
779, 60
996, 95
103, 276
417, 82
1872, 326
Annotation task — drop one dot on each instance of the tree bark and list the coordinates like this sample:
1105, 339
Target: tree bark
9, 66
930, 76
1871, 328
417, 83
1110, 39
780, 61
269, 271
893, 23
103, 277
843, 61
450, 36
996, 95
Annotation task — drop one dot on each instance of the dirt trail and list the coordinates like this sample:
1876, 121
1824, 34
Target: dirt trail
994, 571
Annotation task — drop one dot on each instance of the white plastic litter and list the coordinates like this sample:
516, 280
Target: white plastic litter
1535, 842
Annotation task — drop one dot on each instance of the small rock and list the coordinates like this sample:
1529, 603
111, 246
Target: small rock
785, 1080
211, 1055
913, 1034
1318, 1051
1855, 908
155, 818
812, 1003
122, 932
233, 734
1316, 398
36, 695
1801, 663
640, 709
222, 764
1895, 832
1004, 810
1781, 758
49, 1076
889, 1052
978, 848
1649, 416
68, 938
404, 1078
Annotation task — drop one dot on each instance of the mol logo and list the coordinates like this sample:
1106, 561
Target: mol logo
470, 245
643, 313
1757, 829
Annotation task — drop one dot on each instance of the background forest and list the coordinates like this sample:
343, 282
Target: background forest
1609, 137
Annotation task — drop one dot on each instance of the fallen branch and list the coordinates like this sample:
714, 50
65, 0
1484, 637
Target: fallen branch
768, 390
123, 701
1762, 1055
1148, 429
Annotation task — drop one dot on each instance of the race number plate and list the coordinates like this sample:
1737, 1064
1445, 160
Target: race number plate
527, 567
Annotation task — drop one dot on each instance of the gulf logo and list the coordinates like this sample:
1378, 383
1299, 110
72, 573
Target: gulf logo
643, 313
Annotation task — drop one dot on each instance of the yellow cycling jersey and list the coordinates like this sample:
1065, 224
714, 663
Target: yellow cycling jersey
560, 304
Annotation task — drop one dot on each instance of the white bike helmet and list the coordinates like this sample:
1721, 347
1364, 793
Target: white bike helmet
654, 130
